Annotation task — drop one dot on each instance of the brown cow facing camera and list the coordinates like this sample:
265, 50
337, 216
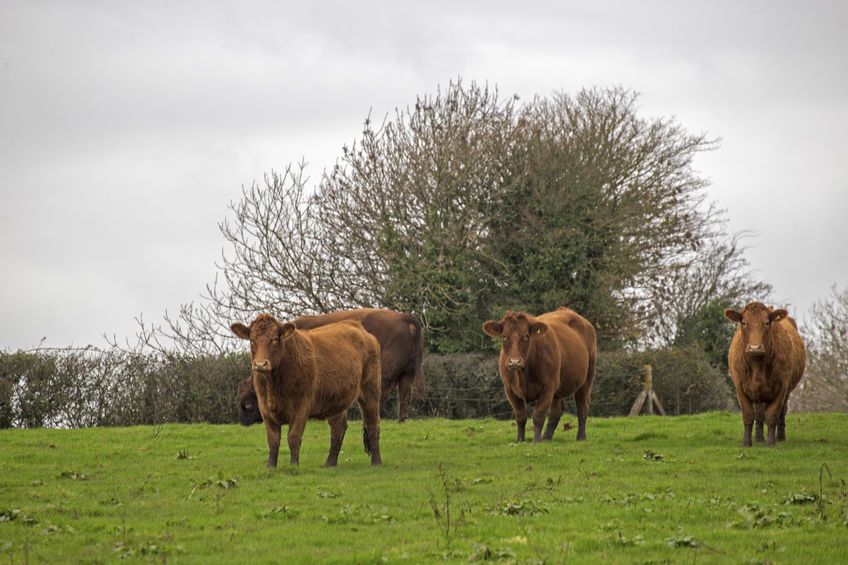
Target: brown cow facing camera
766, 360
543, 360
401, 348
319, 374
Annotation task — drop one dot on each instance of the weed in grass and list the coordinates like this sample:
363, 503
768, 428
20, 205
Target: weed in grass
280, 512
519, 508
11, 515
482, 552
73, 475
184, 454
800, 498
755, 516
683, 541
329, 494
442, 511
652, 456
218, 481
620, 540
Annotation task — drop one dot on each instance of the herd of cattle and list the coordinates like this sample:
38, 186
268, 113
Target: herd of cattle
317, 367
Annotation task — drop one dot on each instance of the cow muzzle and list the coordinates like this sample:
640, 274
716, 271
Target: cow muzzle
756, 350
263, 366
514, 364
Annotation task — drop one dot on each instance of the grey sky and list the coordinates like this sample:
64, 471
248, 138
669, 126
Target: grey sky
127, 127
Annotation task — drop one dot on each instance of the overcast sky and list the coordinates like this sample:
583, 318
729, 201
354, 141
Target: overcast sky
127, 127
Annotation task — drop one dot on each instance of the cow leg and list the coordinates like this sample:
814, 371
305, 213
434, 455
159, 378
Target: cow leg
519, 410
272, 429
554, 415
369, 403
338, 427
384, 397
772, 415
747, 416
781, 421
759, 420
540, 412
581, 400
295, 436
404, 395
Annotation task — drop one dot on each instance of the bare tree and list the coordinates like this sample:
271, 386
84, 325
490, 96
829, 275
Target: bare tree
825, 383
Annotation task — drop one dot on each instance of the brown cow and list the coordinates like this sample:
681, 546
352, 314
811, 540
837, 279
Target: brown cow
318, 373
543, 360
399, 335
766, 360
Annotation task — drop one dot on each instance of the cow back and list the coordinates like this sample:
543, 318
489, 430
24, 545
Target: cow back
575, 344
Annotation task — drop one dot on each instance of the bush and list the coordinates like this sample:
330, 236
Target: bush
78, 388
684, 381
89, 387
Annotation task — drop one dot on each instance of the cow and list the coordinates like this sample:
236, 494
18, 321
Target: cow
319, 374
399, 335
544, 359
766, 359
248, 404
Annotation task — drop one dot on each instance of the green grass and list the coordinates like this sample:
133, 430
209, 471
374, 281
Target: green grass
645, 489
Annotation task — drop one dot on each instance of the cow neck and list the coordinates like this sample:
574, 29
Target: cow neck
295, 371
523, 375
760, 367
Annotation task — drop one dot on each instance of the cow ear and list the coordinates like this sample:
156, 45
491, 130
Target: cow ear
733, 315
493, 328
538, 328
777, 315
240, 330
286, 330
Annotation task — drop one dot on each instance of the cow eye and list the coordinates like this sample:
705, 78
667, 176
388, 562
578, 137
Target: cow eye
744, 324
526, 337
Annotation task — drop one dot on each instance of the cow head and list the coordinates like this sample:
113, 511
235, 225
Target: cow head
266, 337
518, 331
248, 404
755, 323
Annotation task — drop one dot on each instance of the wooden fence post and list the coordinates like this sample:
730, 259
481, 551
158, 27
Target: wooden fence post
647, 394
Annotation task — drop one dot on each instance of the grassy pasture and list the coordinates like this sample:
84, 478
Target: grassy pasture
641, 490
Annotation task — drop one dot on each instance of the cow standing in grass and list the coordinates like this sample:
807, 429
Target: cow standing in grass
766, 361
401, 347
320, 373
544, 359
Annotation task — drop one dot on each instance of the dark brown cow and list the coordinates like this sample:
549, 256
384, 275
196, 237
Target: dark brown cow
766, 360
543, 360
318, 373
399, 335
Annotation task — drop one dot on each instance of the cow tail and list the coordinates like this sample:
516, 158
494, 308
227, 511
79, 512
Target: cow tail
365, 441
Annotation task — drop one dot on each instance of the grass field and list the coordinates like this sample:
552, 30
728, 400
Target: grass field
641, 490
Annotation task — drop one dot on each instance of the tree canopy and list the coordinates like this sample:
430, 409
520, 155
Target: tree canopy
468, 204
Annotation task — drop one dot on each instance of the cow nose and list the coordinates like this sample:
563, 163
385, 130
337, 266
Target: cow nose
263, 366
514, 363
755, 349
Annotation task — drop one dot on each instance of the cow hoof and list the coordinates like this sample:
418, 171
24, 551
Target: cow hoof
581, 438
376, 462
